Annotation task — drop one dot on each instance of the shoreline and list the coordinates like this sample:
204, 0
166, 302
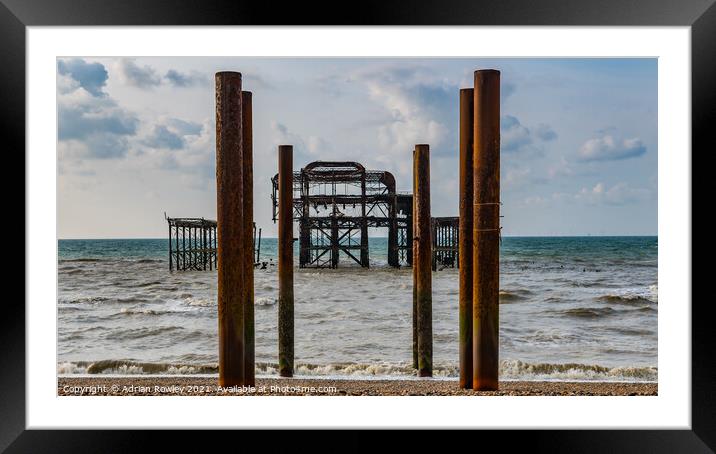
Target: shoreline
207, 386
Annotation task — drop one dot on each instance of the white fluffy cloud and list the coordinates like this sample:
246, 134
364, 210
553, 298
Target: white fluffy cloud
619, 194
515, 137
305, 150
90, 123
609, 148
417, 103
135, 75
180, 79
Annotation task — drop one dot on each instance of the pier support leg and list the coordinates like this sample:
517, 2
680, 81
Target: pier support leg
203, 246
393, 259
422, 260
285, 260
171, 266
230, 226
334, 242
412, 254
304, 229
248, 258
364, 251
486, 230
465, 237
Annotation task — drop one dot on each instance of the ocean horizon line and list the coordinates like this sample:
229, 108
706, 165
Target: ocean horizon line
382, 237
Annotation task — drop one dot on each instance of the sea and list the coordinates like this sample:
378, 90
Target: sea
571, 308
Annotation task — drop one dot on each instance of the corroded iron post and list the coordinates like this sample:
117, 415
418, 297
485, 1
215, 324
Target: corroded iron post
486, 230
422, 260
171, 266
248, 258
285, 260
414, 248
230, 226
465, 237
364, 251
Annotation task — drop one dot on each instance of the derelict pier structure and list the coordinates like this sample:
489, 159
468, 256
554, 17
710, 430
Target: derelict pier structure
336, 202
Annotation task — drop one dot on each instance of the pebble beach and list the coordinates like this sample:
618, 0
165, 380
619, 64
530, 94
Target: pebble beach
207, 386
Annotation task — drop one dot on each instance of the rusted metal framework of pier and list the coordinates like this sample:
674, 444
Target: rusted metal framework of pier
192, 244
336, 202
445, 242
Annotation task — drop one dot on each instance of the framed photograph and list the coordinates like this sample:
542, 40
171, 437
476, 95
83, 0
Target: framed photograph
472, 216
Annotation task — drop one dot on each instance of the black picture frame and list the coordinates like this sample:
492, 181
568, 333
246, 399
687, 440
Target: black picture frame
700, 15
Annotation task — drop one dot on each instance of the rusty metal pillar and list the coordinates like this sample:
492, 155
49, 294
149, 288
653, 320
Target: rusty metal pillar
176, 244
258, 249
171, 267
409, 230
435, 241
422, 260
364, 248
248, 258
334, 241
285, 260
304, 227
465, 237
203, 245
486, 230
393, 258
211, 248
412, 259
229, 210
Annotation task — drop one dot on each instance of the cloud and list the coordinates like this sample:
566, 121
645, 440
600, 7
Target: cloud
516, 177
516, 137
169, 147
179, 79
317, 145
417, 103
507, 88
107, 146
162, 137
90, 124
609, 148
534, 200
81, 115
545, 132
252, 81
175, 78
184, 128
308, 149
561, 168
332, 84
619, 194
131, 73
171, 134
90, 76
513, 135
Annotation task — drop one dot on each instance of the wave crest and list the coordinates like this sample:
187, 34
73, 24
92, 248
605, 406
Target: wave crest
509, 370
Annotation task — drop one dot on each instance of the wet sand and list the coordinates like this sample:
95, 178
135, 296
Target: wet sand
207, 386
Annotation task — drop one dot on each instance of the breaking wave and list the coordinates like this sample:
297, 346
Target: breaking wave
588, 312
509, 370
265, 301
513, 296
515, 369
625, 299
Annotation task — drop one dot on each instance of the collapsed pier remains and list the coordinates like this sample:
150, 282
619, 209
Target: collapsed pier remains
336, 202
192, 244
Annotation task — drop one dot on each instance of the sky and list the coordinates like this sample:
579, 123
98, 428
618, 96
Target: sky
136, 136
